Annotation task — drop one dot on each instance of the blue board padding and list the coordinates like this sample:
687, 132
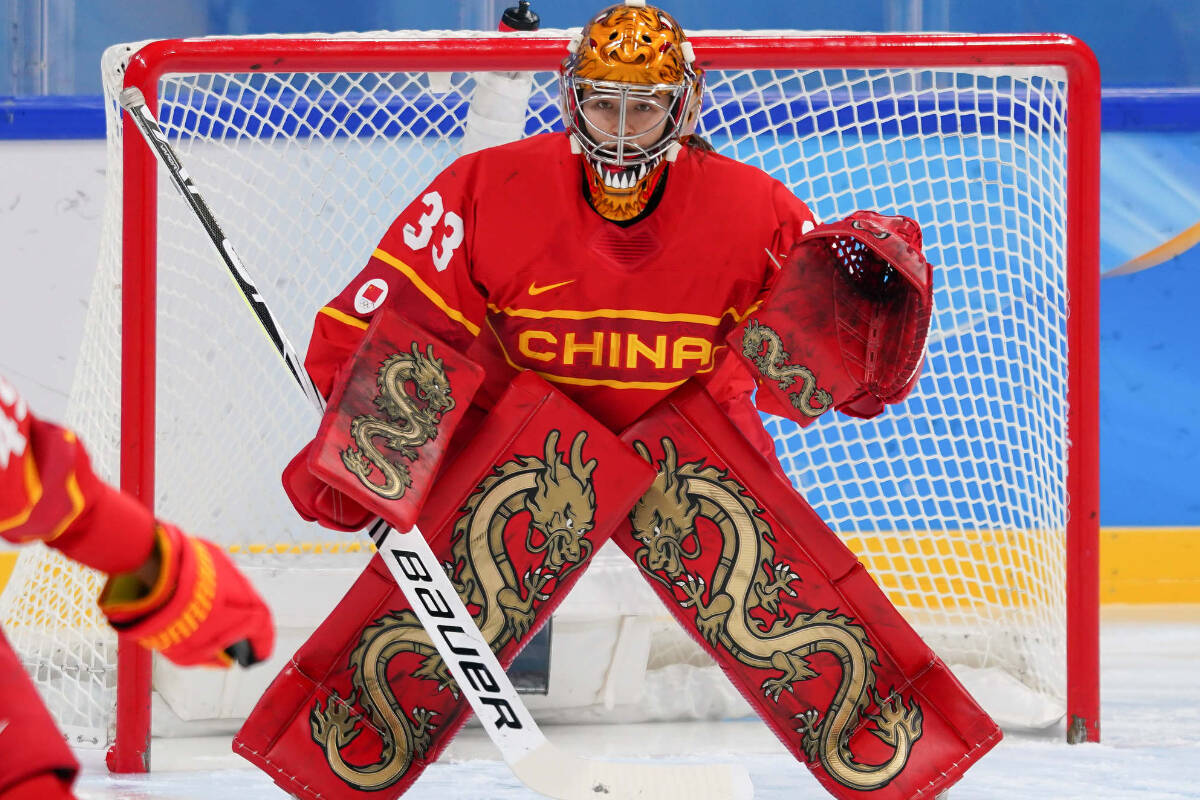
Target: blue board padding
82, 116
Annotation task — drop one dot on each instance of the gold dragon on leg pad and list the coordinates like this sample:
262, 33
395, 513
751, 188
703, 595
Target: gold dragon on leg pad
560, 501
748, 577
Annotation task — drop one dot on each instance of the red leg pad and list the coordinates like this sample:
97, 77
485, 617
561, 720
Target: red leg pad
791, 616
366, 704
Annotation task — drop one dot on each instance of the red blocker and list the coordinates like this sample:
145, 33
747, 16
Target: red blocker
791, 616
367, 703
391, 416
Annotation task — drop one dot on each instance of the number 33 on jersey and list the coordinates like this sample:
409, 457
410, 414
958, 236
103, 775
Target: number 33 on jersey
447, 224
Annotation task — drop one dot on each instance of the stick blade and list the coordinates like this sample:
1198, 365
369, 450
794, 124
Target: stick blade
560, 775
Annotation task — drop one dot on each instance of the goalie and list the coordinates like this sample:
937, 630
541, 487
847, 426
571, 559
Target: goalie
174, 593
624, 288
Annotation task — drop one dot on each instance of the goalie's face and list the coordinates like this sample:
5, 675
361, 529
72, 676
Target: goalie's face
624, 128
629, 94
625, 120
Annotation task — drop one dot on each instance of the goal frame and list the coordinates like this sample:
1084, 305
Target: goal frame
131, 750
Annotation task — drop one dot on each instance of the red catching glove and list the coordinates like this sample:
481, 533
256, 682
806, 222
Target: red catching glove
201, 610
845, 322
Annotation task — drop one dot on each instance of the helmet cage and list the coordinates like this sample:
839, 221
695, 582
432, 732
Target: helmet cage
619, 148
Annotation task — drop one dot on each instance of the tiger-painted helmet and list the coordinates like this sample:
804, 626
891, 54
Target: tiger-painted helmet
629, 93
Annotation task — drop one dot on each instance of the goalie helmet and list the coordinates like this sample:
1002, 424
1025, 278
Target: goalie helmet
630, 93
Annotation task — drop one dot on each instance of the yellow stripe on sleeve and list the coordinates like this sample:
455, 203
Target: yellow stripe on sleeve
343, 317
74, 494
427, 290
33, 493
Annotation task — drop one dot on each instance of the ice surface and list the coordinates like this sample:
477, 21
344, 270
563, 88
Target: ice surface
1150, 725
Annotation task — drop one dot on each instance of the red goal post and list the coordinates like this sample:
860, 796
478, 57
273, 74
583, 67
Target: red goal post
969, 506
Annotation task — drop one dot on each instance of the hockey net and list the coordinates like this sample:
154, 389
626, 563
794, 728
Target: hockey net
971, 503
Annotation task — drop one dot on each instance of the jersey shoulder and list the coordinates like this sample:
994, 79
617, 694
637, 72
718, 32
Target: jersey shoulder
719, 167
503, 164
530, 155
538, 175
742, 185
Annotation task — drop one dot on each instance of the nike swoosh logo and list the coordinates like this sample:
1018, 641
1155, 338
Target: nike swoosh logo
535, 290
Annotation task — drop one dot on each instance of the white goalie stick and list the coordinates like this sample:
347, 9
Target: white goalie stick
536, 762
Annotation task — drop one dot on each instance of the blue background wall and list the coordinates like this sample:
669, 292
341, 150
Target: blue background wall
1138, 42
1150, 386
1150, 396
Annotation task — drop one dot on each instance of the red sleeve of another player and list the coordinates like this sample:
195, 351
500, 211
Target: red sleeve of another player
49, 493
20, 486
43, 489
421, 268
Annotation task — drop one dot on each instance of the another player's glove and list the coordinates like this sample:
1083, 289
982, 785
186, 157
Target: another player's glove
199, 610
175, 593
845, 323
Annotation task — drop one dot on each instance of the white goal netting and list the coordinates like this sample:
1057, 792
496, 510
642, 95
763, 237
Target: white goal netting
956, 499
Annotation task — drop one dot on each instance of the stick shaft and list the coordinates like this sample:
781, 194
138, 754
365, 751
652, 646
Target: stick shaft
408, 555
133, 101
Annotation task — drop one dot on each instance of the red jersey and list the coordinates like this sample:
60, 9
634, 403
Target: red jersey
502, 257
